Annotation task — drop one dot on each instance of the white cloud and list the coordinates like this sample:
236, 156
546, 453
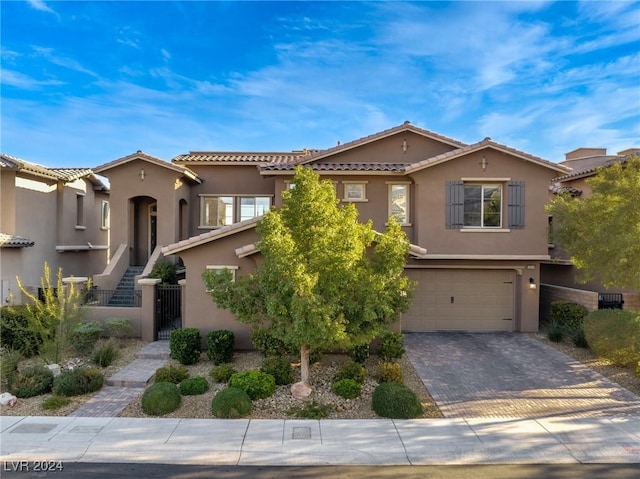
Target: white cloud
42, 7
65, 62
25, 82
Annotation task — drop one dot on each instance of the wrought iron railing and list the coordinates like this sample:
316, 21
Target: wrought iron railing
112, 297
610, 301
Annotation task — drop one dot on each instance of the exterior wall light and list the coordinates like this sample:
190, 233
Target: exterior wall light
532, 284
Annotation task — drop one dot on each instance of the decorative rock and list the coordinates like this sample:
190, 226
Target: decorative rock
55, 369
7, 399
301, 390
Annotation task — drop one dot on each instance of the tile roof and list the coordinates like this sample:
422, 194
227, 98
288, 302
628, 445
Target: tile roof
557, 189
487, 142
371, 167
240, 157
140, 155
592, 170
14, 241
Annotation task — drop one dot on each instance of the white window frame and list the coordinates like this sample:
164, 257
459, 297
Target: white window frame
203, 215
105, 215
255, 205
482, 199
407, 185
218, 268
362, 197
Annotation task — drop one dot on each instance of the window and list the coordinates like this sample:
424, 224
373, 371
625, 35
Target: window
482, 206
80, 212
355, 191
104, 215
399, 202
218, 211
220, 268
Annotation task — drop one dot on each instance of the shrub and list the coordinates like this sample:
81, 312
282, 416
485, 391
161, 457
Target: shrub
171, 374
85, 336
312, 410
256, 384
614, 334
184, 345
166, 271
118, 328
315, 356
391, 346
160, 399
578, 337
279, 367
221, 374
18, 332
389, 372
347, 388
638, 370
396, 401
566, 313
104, 353
231, 403
55, 402
555, 331
78, 381
351, 370
220, 346
359, 354
9, 363
194, 386
267, 343
33, 381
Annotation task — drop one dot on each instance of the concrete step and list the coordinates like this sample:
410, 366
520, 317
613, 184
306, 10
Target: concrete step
155, 350
136, 374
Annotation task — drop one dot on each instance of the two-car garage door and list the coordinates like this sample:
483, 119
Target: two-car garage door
461, 300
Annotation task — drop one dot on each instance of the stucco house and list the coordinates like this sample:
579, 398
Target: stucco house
57, 215
559, 277
474, 214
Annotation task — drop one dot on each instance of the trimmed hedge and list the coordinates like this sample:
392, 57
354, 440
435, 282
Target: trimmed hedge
391, 346
220, 345
389, 372
231, 403
85, 336
279, 367
78, 381
614, 334
222, 373
33, 381
194, 386
184, 345
396, 401
171, 374
256, 384
160, 399
347, 388
351, 370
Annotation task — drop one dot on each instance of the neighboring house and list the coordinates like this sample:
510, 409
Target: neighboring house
559, 275
474, 215
57, 215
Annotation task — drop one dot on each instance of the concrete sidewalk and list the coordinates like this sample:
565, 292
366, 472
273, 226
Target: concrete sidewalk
327, 442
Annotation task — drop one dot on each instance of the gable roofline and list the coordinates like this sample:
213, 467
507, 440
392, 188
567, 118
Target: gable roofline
239, 157
590, 171
481, 145
140, 155
405, 127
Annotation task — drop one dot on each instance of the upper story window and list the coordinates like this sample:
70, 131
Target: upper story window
218, 211
399, 202
104, 215
80, 212
476, 205
355, 191
482, 206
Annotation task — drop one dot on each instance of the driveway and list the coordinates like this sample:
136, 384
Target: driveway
511, 375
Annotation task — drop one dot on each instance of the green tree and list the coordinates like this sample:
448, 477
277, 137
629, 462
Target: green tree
327, 280
55, 316
601, 233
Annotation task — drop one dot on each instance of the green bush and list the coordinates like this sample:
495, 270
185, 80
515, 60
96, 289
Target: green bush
555, 331
171, 374
78, 381
166, 271
396, 401
638, 370
578, 338
391, 346
614, 334
566, 313
359, 354
256, 384
231, 403
279, 367
105, 353
315, 356
184, 345
160, 399
85, 336
312, 410
33, 381
118, 328
9, 362
267, 343
347, 388
18, 331
222, 373
55, 402
220, 345
194, 386
351, 370
389, 372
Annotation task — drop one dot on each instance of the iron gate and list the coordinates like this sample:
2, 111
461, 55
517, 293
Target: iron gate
610, 301
168, 309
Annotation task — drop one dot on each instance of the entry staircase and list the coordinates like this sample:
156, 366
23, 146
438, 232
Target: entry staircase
125, 292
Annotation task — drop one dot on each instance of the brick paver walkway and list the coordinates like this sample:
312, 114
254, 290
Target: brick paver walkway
126, 384
511, 375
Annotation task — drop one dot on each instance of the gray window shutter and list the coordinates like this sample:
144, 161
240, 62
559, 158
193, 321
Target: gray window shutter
516, 204
455, 204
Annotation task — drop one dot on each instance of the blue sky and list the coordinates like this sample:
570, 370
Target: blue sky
84, 83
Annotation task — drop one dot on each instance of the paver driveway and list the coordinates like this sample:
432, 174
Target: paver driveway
513, 375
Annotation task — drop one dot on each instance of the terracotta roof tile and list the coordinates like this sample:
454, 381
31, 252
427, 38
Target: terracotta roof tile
385, 167
557, 189
141, 155
240, 157
591, 170
14, 241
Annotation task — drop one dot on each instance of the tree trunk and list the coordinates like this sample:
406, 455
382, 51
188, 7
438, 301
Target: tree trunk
304, 363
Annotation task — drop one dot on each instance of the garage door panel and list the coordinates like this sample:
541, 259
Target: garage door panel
483, 300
